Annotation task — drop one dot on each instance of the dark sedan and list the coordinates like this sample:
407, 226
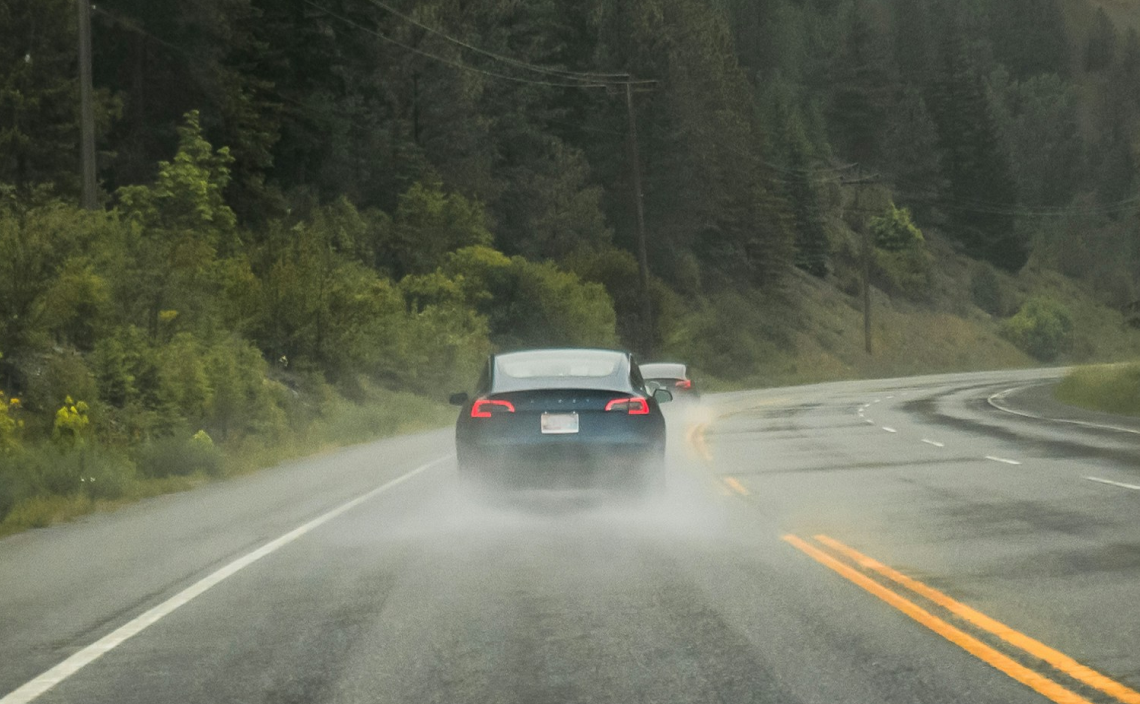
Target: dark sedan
562, 417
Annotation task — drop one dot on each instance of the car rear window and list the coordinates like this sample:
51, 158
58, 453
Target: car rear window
585, 369
530, 368
663, 371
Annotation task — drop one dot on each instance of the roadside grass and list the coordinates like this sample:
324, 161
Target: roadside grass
1111, 388
340, 422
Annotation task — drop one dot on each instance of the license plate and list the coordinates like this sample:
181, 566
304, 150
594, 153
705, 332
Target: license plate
559, 423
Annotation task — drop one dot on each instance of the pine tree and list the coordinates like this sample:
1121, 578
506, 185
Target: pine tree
860, 81
912, 154
1028, 36
1100, 50
981, 196
39, 90
913, 40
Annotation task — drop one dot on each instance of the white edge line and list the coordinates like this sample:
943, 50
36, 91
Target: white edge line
89, 654
889, 430
993, 401
1109, 481
933, 442
988, 457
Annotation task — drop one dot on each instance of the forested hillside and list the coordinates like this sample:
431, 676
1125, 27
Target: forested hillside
303, 200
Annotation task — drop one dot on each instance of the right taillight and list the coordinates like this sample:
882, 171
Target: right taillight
487, 407
633, 405
684, 384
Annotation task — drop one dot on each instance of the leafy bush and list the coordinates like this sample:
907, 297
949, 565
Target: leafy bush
51, 378
242, 400
52, 470
10, 425
533, 304
905, 272
1042, 327
902, 264
72, 424
730, 337
894, 230
179, 456
987, 292
10, 489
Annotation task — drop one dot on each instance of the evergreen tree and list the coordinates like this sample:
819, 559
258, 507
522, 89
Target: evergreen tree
39, 91
981, 196
1028, 36
1038, 122
860, 81
1100, 50
912, 40
912, 155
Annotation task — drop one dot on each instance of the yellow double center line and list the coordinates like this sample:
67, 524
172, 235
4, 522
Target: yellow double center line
1031, 678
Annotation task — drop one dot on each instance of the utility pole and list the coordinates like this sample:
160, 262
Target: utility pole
867, 253
87, 108
642, 254
868, 250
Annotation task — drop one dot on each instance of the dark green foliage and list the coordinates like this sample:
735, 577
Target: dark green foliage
11, 489
1100, 51
39, 90
912, 155
1038, 120
93, 471
913, 41
179, 455
981, 196
861, 84
987, 292
902, 264
1028, 36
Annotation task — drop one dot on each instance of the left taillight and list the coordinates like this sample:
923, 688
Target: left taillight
633, 405
487, 407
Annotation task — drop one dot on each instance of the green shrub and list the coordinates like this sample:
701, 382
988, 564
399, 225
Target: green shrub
242, 400
986, 291
180, 455
10, 424
1042, 327
894, 230
54, 377
52, 470
12, 486
905, 272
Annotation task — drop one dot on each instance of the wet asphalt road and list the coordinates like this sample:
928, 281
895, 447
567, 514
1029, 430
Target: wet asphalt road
737, 586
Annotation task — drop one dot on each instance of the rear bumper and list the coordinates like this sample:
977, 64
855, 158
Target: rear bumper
563, 464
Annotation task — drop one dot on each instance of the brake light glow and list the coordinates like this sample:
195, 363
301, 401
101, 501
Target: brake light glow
633, 405
486, 407
684, 384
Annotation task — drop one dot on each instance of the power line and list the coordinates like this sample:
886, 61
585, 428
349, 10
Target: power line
546, 70
450, 62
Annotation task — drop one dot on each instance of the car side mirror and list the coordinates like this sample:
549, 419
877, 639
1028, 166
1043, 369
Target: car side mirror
663, 395
458, 399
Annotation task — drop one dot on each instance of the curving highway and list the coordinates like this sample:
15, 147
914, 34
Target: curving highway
955, 538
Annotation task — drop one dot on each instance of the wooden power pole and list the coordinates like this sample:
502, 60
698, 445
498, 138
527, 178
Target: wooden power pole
868, 250
639, 208
86, 108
